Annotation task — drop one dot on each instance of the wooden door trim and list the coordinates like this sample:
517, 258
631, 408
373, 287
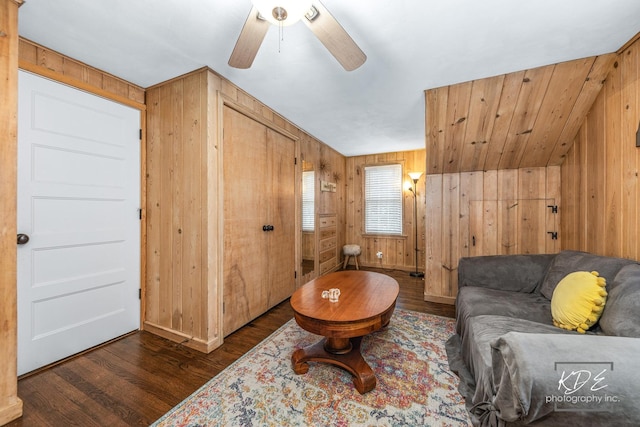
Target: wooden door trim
79, 84
10, 403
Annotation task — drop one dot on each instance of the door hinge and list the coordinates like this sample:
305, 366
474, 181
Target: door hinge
295, 160
554, 208
295, 274
140, 293
140, 134
140, 214
223, 307
554, 235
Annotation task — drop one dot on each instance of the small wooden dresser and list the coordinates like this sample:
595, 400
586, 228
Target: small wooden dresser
328, 247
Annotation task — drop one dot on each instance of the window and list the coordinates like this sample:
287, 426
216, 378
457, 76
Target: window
383, 199
308, 198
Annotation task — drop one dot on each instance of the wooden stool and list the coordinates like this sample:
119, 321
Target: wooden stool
351, 251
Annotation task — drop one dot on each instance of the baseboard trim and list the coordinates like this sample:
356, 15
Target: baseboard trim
440, 299
11, 411
183, 339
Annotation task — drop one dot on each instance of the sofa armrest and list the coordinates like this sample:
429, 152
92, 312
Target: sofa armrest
595, 378
518, 273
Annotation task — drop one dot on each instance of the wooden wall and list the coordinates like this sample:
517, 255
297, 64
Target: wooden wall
177, 292
10, 404
48, 63
600, 186
522, 119
486, 213
397, 251
183, 291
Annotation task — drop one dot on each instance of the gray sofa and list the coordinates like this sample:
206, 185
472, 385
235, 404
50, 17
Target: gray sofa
517, 368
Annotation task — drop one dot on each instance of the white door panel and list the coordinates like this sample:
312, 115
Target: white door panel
78, 201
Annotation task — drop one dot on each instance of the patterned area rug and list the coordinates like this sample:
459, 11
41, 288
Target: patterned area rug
414, 388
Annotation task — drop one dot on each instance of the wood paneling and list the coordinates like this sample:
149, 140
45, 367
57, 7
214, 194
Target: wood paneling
185, 271
494, 150
10, 405
181, 288
495, 212
48, 63
397, 251
523, 119
600, 176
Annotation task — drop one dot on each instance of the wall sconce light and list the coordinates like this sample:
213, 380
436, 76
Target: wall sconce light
415, 176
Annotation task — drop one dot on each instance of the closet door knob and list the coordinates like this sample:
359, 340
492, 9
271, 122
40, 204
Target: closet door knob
22, 239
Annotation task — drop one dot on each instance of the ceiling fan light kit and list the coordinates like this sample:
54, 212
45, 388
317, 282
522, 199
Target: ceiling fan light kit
287, 12
282, 12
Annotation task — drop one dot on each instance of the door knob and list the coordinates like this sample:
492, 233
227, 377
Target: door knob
22, 239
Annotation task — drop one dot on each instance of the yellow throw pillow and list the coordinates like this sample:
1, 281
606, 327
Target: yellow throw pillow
578, 301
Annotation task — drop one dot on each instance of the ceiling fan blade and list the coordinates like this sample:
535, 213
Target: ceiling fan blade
335, 38
249, 41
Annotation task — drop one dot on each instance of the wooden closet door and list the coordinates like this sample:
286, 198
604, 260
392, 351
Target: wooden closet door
281, 253
246, 199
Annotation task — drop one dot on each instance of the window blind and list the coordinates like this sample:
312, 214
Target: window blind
308, 198
383, 199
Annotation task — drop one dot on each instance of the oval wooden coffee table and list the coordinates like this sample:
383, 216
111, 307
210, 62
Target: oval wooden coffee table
366, 303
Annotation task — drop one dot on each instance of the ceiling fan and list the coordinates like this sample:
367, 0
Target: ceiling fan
287, 12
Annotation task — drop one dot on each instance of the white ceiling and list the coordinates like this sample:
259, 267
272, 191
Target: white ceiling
411, 45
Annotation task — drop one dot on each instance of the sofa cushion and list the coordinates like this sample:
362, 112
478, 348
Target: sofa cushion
569, 261
578, 301
518, 273
475, 301
621, 314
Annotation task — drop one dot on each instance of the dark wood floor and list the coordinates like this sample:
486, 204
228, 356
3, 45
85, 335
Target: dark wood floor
135, 380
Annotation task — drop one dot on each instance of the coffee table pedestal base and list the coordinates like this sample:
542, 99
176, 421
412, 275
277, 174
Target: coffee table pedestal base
350, 360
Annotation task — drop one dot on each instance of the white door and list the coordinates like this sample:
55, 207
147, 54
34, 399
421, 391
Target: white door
78, 201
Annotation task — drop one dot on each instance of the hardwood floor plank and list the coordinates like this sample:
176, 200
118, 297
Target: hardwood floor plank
102, 394
161, 387
137, 379
159, 360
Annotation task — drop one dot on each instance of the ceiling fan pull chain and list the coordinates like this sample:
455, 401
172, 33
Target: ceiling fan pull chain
281, 35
